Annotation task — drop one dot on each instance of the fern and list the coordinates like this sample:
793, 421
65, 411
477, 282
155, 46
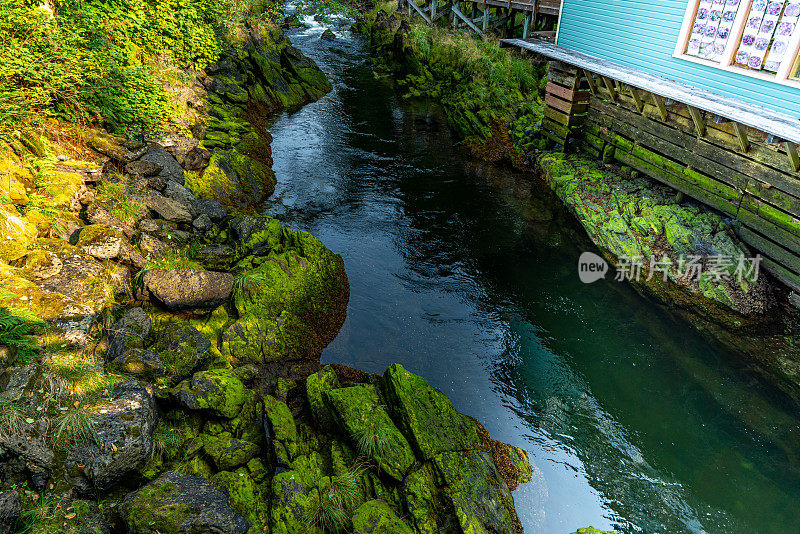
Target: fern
15, 332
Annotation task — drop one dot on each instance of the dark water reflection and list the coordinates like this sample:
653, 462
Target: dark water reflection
467, 276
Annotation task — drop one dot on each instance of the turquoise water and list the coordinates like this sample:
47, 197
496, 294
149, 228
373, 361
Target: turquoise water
467, 275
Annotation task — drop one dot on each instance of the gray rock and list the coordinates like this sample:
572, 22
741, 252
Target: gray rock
148, 225
187, 289
176, 503
328, 35
203, 223
10, 508
97, 214
211, 207
139, 362
215, 256
170, 168
183, 146
143, 168
197, 159
168, 209
123, 427
130, 332
101, 242
182, 349
157, 183
180, 194
152, 247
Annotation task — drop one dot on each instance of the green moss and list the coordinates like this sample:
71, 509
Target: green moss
283, 428
422, 499
426, 415
375, 517
300, 302
218, 391
316, 385
246, 498
153, 511
361, 416
228, 452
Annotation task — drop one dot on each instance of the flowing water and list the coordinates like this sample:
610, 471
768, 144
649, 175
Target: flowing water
467, 275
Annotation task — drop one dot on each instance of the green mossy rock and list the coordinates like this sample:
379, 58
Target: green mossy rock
16, 234
245, 497
361, 416
299, 302
217, 391
289, 511
236, 180
636, 217
375, 517
592, 530
283, 430
179, 504
422, 499
316, 386
228, 452
481, 499
426, 415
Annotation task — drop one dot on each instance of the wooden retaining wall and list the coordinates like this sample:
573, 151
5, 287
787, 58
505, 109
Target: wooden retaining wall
740, 171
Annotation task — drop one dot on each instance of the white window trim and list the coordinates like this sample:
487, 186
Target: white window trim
726, 63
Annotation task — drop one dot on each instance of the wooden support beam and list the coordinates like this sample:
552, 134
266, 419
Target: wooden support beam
485, 25
433, 9
741, 134
590, 81
794, 157
526, 25
611, 88
637, 99
457, 13
662, 108
697, 119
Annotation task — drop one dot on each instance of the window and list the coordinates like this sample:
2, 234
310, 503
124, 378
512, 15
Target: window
753, 37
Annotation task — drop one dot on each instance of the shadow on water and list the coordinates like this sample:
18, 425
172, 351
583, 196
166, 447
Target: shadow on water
467, 275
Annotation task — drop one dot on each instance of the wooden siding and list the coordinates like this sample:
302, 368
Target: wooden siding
642, 34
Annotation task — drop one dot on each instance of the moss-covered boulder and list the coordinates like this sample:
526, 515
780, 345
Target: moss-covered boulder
182, 349
361, 416
101, 242
426, 415
217, 391
480, 497
294, 295
316, 385
235, 179
375, 517
228, 452
592, 530
245, 496
178, 504
282, 431
636, 219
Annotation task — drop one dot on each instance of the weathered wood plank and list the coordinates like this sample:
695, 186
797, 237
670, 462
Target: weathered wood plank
559, 129
782, 274
794, 158
780, 124
736, 162
564, 105
741, 134
566, 93
771, 249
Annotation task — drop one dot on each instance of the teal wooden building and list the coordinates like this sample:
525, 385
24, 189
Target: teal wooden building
702, 95
651, 35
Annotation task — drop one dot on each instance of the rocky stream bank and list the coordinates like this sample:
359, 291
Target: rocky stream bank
160, 342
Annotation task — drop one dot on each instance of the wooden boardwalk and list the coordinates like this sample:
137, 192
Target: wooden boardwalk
512, 18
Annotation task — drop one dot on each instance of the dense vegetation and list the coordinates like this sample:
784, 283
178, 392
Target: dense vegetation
107, 61
491, 96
